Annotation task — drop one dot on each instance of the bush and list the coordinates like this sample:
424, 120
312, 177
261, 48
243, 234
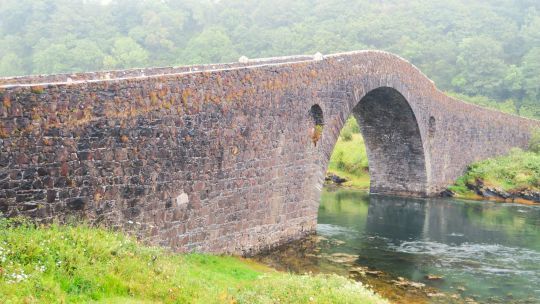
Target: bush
514, 172
352, 125
349, 128
346, 135
340, 163
316, 134
534, 144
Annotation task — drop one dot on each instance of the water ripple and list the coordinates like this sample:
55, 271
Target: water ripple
333, 230
491, 259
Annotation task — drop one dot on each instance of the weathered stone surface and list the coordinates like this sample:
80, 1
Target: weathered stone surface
230, 158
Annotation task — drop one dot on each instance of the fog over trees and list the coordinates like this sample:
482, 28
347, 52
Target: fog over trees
483, 51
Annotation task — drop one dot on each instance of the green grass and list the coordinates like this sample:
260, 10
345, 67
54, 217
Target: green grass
349, 158
517, 171
80, 264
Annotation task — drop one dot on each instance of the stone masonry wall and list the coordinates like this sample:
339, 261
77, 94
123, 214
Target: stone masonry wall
225, 159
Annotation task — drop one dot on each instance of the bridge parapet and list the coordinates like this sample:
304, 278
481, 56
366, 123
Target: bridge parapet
70, 78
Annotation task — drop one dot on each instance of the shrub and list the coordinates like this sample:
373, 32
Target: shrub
516, 171
534, 144
346, 135
316, 134
340, 163
352, 125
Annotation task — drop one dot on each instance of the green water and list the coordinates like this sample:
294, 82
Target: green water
486, 252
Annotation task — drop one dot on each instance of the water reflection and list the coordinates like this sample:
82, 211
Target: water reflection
491, 248
453, 222
485, 251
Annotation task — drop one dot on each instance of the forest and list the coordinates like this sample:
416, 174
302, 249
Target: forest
484, 51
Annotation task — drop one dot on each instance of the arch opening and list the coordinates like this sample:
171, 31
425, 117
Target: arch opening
316, 114
317, 117
393, 144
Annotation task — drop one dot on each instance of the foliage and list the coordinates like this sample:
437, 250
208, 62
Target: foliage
316, 134
346, 135
126, 52
350, 128
508, 106
479, 48
482, 69
338, 160
534, 144
517, 171
349, 158
75, 264
351, 125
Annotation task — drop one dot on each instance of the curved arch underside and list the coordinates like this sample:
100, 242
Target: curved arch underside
393, 143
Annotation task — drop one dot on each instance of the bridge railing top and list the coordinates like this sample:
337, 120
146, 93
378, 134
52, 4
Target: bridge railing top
244, 62
143, 72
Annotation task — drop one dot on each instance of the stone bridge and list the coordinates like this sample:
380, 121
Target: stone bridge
230, 158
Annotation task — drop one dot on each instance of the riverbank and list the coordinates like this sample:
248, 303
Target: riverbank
512, 178
412, 250
311, 255
78, 264
349, 159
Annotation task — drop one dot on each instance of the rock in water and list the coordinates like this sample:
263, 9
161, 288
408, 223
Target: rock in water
433, 277
447, 193
338, 180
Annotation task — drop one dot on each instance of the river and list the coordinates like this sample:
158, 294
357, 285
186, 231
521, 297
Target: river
423, 250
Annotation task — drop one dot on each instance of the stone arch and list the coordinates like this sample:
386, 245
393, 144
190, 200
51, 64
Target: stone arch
317, 115
395, 150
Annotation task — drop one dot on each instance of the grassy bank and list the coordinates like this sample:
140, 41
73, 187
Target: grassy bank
349, 158
515, 172
74, 264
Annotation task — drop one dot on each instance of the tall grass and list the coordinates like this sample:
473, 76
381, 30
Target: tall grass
80, 264
349, 158
514, 172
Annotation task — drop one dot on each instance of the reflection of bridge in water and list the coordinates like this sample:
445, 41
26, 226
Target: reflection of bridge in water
457, 223
485, 249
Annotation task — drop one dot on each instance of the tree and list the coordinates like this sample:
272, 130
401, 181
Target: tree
477, 48
126, 53
212, 45
482, 71
53, 59
70, 56
11, 65
531, 29
530, 69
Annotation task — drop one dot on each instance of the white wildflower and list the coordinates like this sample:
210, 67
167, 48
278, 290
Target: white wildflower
16, 277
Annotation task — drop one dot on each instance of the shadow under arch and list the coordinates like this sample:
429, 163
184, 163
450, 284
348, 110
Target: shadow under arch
397, 163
